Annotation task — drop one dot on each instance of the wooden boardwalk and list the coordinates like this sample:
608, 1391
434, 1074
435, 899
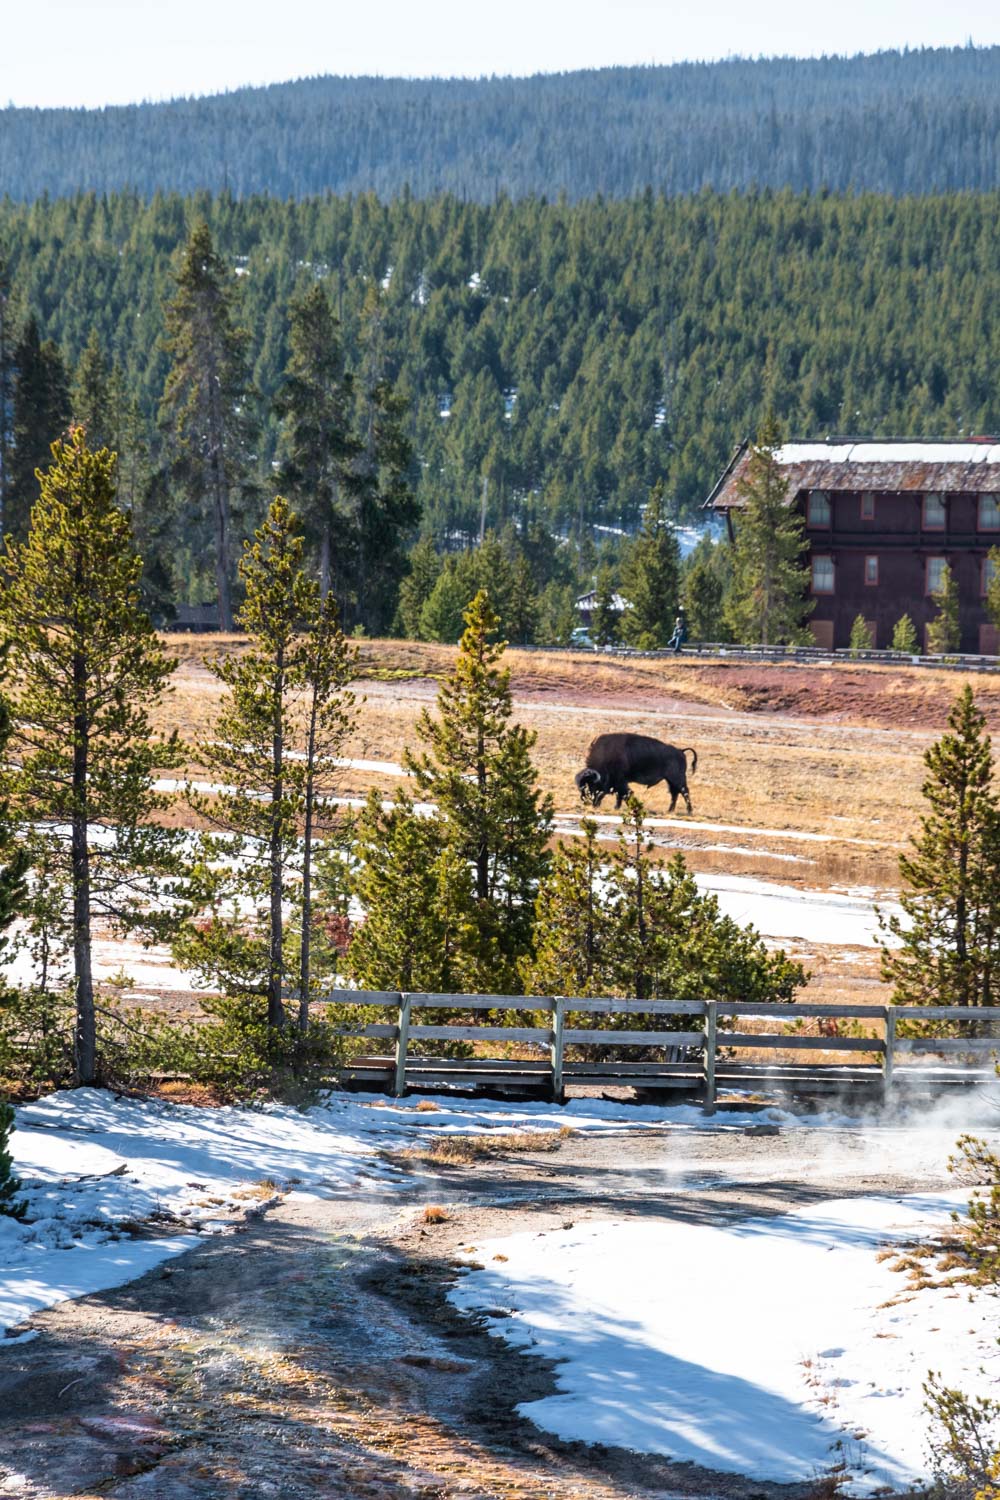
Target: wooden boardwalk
712, 1051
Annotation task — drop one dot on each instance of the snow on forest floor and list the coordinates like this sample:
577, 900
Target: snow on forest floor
773, 1348
803, 1350
105, 1177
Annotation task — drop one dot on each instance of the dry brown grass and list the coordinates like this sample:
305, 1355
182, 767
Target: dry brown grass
435, 1214
465, 1150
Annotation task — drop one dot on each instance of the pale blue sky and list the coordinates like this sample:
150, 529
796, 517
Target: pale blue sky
114, 51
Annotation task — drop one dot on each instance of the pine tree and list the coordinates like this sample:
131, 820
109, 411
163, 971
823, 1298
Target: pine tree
10, 1204
993, 587
904, 636
262, 804
206, 396
416, 588
386, 508
41, 413
86, 672
705, 579
443, 611
948, 939
573, 932
7, 386
619, 923
477, 770
418, 931
327, 663
91, 396
862, 635
651, 577
606, 618
766, 604
315, 403
944, 631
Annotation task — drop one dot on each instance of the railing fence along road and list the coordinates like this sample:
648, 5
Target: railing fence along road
708, 1057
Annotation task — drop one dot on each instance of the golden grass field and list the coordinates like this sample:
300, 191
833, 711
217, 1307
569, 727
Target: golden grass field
809, 775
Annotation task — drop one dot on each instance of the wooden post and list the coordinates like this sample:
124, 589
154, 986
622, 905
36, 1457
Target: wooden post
890, 1048
402, 1037
558, 1026
711, 1021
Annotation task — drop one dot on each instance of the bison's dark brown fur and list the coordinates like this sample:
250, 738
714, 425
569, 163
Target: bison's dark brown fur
616, 761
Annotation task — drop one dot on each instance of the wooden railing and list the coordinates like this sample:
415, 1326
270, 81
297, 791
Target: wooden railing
708, 1055
952, 661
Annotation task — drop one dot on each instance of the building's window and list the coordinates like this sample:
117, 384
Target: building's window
818, 508
868, 506
822, 575
935, 574
989, 512
987, 574
934, 513
871, 570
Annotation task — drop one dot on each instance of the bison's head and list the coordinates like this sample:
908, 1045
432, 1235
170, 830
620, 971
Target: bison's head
590, 785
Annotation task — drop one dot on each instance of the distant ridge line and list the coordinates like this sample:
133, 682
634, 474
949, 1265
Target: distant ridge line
909, 122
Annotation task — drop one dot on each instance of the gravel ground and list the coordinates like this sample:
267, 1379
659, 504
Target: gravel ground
314, 1354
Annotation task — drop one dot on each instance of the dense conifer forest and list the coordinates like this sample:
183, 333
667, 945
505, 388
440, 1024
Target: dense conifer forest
567, 355
897, 122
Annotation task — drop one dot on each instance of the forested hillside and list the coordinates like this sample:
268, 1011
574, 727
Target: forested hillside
911, 122
570, 355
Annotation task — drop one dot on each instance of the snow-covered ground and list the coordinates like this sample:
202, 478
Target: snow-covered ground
680, 1338
773, 1348
95, 1167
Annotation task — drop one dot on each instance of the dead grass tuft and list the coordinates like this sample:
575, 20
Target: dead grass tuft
427, 1107
463, 1150
435, 1214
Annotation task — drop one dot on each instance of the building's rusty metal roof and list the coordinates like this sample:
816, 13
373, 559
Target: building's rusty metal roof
938, 466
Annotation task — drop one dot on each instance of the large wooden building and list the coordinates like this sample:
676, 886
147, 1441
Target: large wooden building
883, 517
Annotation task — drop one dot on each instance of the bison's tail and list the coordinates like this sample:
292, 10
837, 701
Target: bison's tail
689, 750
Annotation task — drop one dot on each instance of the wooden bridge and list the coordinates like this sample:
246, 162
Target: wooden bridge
716, 1052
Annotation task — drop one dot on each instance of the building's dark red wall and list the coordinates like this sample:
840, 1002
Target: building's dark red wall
898, 539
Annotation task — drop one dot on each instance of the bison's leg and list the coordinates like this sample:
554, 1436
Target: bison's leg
687, 799
674, 794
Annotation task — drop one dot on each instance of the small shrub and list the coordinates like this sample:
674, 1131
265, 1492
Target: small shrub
862, 636
435, 1214
904, 636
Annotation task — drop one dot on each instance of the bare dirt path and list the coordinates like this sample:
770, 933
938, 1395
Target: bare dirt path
314, 1353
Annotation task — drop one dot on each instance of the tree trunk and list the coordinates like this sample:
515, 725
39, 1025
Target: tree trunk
221, 508
85, 1037
304, 952
324, 560
275, 1008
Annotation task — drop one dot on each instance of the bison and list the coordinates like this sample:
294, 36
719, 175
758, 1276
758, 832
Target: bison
615, 760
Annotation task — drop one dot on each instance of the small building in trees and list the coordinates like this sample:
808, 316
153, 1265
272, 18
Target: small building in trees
884, 518
586, 606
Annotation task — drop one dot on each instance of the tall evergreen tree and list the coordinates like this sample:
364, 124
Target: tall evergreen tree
651, 577
41, 413
705, 580
948, 938
606, 618
766, 603
387, 510
283, 719
315, 403
206, 396
7, 383
91, 396
477, 770
944, 631
86, 672
417, 587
